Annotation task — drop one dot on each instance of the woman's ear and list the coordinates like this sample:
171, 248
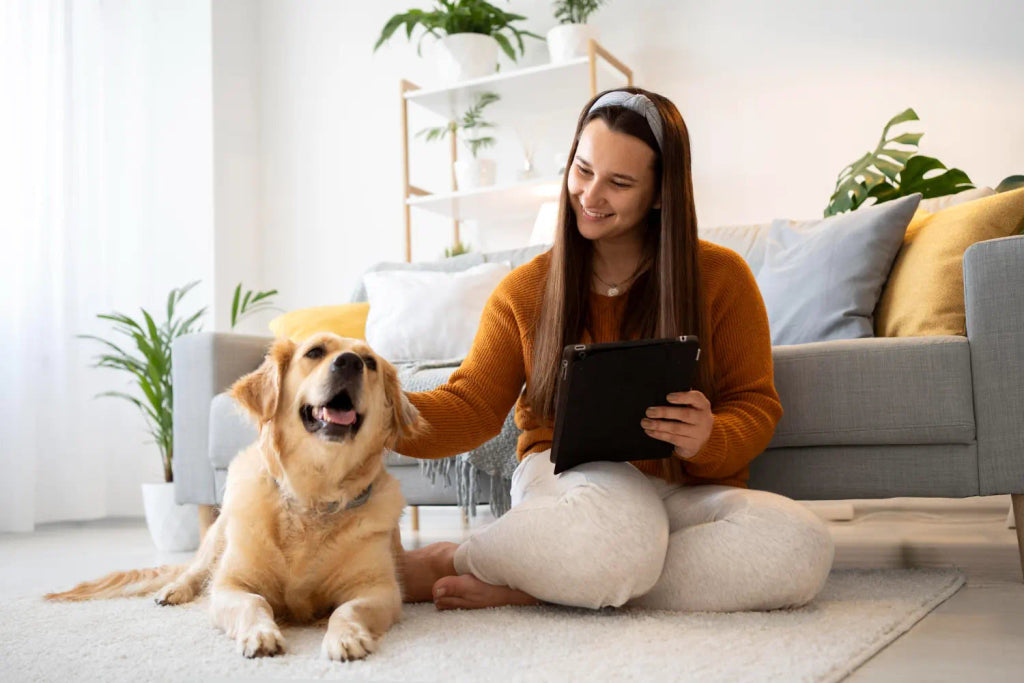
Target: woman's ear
258, 391
657, 202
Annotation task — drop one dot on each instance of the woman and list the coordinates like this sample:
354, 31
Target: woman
682, 533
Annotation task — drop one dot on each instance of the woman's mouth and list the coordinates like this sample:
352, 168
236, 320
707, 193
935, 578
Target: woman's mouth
595, 215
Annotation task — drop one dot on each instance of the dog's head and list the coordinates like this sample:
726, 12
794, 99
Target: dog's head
329, 402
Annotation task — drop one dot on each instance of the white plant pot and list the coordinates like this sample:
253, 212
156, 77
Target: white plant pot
569, 41
473, 173
462, 56
174, 528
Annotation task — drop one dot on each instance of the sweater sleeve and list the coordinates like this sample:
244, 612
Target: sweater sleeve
746, 406
471, 407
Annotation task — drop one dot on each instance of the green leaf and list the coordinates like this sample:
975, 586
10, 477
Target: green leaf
1010, 183
234, 304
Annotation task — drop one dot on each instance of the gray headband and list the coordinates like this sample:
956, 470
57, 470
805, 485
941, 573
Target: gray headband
641, 104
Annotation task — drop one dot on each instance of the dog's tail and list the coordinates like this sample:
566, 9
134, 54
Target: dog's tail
127, 584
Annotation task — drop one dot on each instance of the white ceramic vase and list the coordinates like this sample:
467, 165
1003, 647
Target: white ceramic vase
462, 56
174, 528
473, 173
569, 41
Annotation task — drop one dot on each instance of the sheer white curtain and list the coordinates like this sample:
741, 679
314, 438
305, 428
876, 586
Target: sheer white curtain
79, 192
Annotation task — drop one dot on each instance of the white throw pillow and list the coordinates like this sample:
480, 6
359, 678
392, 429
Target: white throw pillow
423, 315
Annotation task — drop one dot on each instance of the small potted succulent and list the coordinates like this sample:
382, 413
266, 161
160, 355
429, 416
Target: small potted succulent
473, 172
569, 39
469, 34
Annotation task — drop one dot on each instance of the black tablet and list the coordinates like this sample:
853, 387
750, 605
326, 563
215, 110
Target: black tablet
604, 391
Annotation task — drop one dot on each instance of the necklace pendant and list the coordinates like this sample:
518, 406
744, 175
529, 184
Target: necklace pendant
613, 291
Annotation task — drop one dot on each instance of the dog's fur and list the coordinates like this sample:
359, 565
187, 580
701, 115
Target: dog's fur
278, 548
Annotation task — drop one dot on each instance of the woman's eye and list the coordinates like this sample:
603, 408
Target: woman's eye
582, 170
370, 362
315, 353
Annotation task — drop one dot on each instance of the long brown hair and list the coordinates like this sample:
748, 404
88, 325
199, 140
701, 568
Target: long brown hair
665, 299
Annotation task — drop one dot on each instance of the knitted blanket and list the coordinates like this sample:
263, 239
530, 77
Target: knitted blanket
496, 458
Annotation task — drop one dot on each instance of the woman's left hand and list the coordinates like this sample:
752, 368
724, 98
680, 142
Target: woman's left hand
686, 424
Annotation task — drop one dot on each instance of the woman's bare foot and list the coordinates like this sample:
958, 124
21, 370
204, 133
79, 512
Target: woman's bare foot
422, 567
468, 592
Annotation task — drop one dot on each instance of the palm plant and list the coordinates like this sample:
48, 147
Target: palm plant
575, 11
471, 121
150, 366
459, 16
245, 305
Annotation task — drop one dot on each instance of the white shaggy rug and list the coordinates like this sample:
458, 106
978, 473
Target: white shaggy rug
857, 614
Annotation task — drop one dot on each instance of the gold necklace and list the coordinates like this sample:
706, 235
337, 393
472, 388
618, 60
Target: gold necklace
613, 289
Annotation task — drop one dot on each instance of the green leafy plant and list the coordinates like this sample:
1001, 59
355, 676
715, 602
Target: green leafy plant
471, 121
459, 248
575, 11
890, 172
459, 16
1013, 182
149, 363
243, 305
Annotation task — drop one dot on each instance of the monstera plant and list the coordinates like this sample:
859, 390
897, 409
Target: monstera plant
890, 172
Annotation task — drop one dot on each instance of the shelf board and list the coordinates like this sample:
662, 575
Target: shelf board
516, 201
563, 86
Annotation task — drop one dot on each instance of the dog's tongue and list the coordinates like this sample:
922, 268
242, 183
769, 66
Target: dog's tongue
341, 417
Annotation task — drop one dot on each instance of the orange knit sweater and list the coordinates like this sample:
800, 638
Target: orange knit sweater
471, 407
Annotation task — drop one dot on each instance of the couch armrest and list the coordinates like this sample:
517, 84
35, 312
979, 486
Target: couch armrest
202, 366
993, 290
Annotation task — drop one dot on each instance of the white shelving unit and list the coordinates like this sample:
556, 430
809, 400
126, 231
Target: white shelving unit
548, 87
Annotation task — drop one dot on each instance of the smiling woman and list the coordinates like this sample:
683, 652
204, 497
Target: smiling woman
683, 532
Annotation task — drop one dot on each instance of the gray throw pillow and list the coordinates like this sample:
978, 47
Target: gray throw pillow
822, 278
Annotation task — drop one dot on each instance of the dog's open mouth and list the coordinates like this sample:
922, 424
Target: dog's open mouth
335, 419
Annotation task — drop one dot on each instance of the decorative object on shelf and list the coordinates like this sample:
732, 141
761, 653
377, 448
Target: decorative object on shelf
469, 34
890, 172
470, 173
456, 250
569, 39
528, 171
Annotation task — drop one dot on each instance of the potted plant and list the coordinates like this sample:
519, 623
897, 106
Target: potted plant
473, 172
569, 39
173, 527
469, 32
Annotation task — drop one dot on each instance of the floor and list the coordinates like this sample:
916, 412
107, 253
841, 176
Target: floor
976, 635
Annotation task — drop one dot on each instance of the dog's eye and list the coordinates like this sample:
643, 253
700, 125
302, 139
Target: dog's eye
371, 362
315, 353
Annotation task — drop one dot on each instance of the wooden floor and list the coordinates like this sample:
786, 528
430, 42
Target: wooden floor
977, 635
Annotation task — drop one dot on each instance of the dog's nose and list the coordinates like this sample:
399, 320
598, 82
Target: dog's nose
348, 364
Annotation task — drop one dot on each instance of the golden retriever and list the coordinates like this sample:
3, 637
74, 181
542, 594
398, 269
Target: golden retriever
309, 521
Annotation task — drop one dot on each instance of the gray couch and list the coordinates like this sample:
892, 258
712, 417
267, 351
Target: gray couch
866, 418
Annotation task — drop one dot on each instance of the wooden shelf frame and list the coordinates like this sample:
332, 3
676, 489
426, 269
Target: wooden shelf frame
448, 101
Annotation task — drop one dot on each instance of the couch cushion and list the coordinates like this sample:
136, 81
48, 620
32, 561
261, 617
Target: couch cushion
231, 431
909, 390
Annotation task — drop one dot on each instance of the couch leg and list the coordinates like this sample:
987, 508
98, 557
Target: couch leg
415, 518
1018, 517
207, 516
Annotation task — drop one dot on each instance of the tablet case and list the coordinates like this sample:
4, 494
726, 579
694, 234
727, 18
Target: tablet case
604, 391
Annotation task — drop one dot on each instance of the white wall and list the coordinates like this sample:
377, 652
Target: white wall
778, 97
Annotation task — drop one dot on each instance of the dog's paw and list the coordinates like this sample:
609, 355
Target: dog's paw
261, 641
347, 642
175, 594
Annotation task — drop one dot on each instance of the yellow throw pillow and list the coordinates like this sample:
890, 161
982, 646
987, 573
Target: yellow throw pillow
347, 320
924, 294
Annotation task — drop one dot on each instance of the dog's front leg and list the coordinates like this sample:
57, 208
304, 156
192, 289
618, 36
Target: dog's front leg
356, 626
190, 584
246, 617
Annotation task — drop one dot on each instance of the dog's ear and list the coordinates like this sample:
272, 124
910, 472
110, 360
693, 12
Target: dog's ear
405, 418
258, 392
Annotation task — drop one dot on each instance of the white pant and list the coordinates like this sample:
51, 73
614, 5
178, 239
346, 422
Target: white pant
605, 534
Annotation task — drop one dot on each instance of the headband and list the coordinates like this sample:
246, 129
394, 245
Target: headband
641, 104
